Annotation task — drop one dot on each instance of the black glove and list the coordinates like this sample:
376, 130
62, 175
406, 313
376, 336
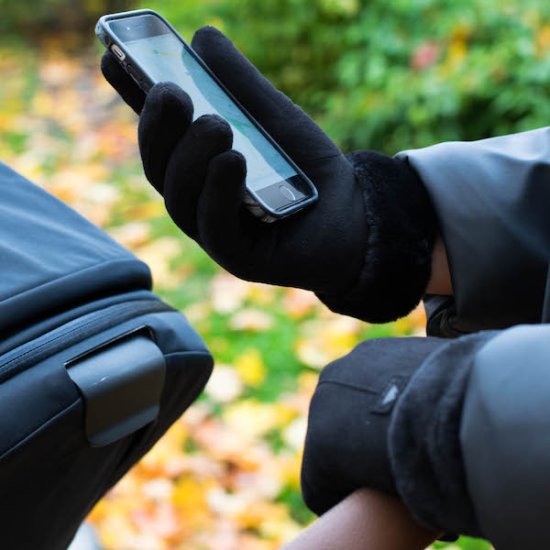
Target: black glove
364, 247
350, 414
387, 416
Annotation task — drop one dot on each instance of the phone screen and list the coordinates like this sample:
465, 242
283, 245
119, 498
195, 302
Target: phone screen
164, 57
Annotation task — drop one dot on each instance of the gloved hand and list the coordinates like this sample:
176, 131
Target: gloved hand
364, 247
387, 416
350, 414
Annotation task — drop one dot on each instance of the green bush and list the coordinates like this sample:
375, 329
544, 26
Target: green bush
39, 17
393, 75
375, 74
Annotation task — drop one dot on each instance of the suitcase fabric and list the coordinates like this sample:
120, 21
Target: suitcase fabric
93, 366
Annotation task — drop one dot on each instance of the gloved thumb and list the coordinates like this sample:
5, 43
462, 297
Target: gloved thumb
287, 123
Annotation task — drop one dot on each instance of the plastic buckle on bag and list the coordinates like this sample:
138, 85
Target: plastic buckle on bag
121, 383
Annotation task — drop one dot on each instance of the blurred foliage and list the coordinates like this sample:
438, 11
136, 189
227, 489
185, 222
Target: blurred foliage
36, 18
376, 74
394, 75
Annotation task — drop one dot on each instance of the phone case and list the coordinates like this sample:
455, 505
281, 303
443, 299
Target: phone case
253, 202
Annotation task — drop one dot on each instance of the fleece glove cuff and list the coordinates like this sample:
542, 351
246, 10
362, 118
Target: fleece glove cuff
402, 228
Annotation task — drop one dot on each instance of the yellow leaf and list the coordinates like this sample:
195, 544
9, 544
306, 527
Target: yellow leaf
250, 367
291, 467
414, 323
457, 52
190, 500
250, 418
324, 340
145, 210
164, 457
543, 39
262, 294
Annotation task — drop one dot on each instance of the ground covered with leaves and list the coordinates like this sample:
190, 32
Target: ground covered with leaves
226, 476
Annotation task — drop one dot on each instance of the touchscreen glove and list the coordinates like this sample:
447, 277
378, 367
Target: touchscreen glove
387, 417
364, 248
350, 413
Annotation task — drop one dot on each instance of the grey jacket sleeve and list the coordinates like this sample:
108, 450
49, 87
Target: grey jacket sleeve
470, 440
492, 199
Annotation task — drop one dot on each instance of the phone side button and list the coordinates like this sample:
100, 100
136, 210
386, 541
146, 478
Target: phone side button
118, 52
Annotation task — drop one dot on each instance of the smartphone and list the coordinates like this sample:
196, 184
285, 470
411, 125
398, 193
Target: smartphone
151, 51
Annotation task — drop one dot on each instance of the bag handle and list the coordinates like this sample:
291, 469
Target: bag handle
121, 384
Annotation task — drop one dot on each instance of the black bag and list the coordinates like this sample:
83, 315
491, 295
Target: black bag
93, 366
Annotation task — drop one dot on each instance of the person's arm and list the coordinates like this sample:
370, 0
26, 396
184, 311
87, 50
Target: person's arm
366, 520
457, 429
440, 278
369, 519
477, 418
386, 416
492, 199
364, 247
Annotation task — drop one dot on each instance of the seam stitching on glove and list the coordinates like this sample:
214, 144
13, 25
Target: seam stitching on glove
349, 385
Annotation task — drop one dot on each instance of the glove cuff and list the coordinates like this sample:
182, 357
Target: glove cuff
402, 230
424, 440
350, 416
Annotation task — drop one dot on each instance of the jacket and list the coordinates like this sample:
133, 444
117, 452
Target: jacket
492, 199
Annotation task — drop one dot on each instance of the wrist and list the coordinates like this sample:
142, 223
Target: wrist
440, 279
365, 520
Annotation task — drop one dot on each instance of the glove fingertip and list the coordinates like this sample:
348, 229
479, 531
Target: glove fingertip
122, 82
169, 93
230, 162
166, 116
225, 59
206, 36
219, 212
110, 68
213, 132
223, 193
167, 110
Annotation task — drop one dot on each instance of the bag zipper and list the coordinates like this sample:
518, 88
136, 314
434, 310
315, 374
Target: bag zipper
22, 357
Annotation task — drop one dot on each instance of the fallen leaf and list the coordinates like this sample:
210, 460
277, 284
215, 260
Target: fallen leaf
251, 367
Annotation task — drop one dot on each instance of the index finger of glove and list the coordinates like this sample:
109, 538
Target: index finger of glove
187, 169
122, 82
165, 117
287, 123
